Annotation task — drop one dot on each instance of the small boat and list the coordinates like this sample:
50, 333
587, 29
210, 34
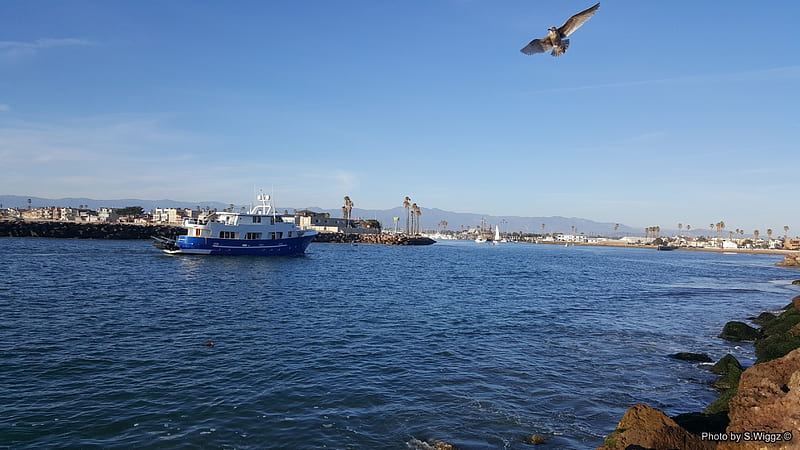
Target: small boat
667, 247
259, 232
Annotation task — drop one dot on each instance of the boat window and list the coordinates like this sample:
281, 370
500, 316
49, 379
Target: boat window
256, 219
227, 234
253, 236
272, 235
280, 234
197, 232
290, 234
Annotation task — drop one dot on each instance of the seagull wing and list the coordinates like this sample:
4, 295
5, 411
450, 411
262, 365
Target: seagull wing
537, 46
575, 22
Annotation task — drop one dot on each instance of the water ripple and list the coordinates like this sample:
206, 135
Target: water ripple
108, 344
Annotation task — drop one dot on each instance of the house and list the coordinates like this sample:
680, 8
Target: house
637, 240
107, 215
728, 244
173, 216
791, 243
324, 223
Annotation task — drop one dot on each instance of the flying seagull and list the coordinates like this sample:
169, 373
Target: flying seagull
555, 38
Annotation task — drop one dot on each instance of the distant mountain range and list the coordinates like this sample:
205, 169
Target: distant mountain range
429, 219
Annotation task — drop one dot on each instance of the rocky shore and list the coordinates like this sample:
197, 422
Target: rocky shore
790, 260
758, 407
385, 239
70, 230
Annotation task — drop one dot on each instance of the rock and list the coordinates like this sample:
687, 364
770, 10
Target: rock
685, 356
789, 260
725, 364
648, 427
739, 331
386, 239
775, 346
782, 323
86, 230
729, 380
436, 445
794, 331
535, 439
796, 303
763, 318
768, 400
698, 423
730, 369
721, 405
796, 282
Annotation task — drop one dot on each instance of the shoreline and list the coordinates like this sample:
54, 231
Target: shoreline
763, 399
755, 251
57, 229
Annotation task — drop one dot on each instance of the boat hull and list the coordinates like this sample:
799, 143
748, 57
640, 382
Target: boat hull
262, 247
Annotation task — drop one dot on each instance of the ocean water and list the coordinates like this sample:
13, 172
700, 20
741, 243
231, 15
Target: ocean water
103, 343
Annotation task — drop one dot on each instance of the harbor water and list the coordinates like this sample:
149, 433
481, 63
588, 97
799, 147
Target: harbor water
108, 344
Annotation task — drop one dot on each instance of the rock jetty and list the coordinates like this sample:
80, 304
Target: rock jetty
758, 408
790, 260
385, 239
71, 230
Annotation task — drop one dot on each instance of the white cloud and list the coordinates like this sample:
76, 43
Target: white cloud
13, 50
778, 73
144, 156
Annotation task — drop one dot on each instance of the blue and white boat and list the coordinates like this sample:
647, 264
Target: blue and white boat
259, 232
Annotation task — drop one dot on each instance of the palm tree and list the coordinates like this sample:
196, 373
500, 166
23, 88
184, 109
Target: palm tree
688, 227
680, 228
769, 233
407, 205
413, 229
417, 212
348, 204
785, 231
755, 234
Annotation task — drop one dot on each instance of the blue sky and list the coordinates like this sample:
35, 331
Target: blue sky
660, 112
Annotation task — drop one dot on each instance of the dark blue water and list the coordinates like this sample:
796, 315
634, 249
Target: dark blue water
101, 343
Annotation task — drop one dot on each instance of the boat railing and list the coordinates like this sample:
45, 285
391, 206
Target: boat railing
192, 221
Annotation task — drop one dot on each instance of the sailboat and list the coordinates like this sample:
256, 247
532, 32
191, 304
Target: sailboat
496, 239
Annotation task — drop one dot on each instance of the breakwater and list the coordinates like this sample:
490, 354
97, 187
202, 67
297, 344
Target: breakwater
385, 239
71, 230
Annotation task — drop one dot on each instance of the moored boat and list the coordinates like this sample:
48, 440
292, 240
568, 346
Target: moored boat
259, 232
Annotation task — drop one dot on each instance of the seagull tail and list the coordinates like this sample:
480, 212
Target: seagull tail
561, 49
